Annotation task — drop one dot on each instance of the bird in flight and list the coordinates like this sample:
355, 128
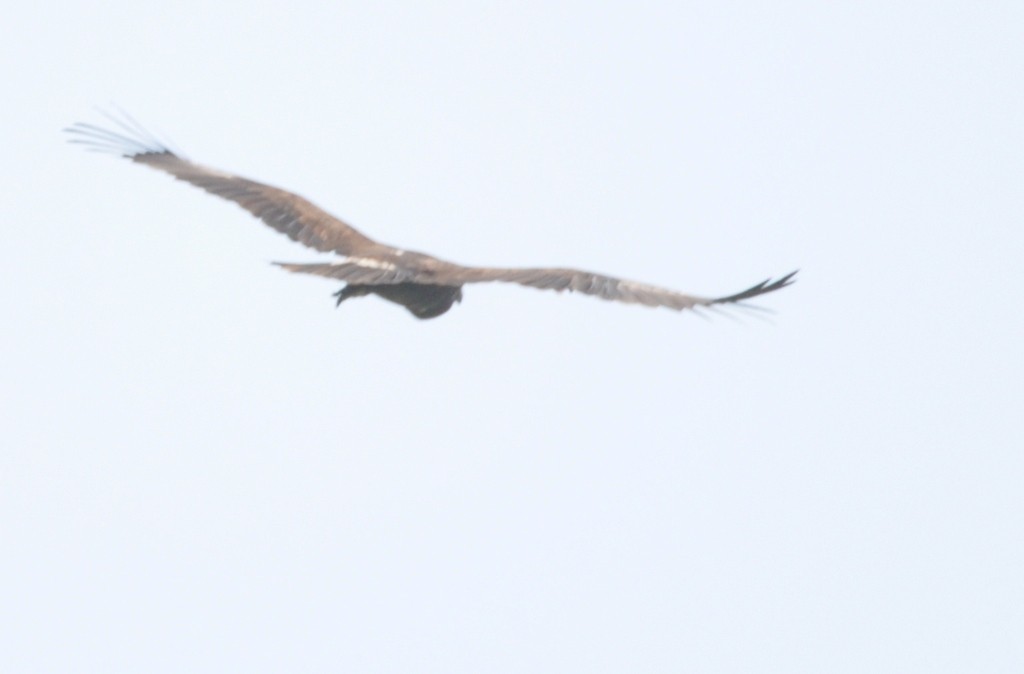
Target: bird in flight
425, 285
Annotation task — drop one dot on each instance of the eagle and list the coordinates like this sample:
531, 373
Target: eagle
425, 285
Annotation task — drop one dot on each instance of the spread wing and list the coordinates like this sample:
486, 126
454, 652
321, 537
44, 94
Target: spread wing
616, 289
288, 213
370, 262
606, 287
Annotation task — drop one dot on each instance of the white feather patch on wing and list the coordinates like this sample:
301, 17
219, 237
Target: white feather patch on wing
218, 173
370, 263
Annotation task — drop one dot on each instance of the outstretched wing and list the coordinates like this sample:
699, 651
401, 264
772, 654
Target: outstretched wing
374, 271
288, 213
615, 289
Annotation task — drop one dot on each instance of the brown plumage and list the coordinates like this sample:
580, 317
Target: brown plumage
425, 285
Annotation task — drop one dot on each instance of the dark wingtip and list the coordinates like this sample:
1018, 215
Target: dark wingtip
766, 286
127, 138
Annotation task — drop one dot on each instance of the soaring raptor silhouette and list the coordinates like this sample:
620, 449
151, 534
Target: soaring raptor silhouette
425, 285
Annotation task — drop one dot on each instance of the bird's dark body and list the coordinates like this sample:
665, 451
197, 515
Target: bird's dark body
423, 300
425, 285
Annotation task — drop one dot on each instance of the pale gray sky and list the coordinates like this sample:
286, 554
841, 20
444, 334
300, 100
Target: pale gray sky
207, 468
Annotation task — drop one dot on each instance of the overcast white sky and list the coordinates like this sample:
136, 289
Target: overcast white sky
205, 467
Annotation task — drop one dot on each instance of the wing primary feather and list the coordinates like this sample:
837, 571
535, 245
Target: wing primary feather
132, 130
761, 288
132, 126
123, 145
719, 311
698, 310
